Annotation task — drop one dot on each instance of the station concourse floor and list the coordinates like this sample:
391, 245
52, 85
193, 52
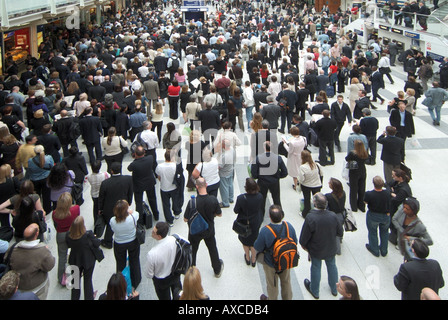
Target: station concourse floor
374, 276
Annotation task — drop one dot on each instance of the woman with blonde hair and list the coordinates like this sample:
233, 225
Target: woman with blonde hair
9, 186
310, 179
353, 89
63, 216
410, 99
124, 224
81, 104
192, 286
357, 175
157, 119
82, 243
9, 149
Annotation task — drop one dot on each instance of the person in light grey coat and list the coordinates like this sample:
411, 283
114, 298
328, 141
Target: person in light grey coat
435, 98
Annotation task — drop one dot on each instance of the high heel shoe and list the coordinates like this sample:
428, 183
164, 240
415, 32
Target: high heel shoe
254, 264
247, 261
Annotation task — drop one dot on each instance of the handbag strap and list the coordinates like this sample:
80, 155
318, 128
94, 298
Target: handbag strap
8, 257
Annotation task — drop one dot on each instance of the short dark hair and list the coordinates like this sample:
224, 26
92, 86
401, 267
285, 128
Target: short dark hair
420, 248
115, 167
162, 228
276, 213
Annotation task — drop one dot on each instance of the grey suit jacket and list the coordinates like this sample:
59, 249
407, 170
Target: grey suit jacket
151, 89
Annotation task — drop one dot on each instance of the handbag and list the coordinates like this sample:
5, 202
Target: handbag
200, 92
242, 227
97, 251
352, 165
349, 221
427, 102
124, 150
140, 231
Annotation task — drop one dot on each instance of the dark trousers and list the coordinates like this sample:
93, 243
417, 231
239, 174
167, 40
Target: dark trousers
108, 233
372, 150
323, 146
213, 189
65, 147
337, 132
97, 146
172, 196
375, 94
134, 132
307, 198
168, 286
131, 249
286, 119
95, 209
152, 201
88, 285
274, 189
112, 159
40, 187
357, 191
174, 107
210, 242
157, 125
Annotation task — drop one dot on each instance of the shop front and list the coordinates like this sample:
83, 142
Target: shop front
15, 47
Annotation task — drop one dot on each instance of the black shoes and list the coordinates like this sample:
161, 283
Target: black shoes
371, 251
307, 284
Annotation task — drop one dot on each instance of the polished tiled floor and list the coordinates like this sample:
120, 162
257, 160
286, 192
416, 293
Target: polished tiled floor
373, 275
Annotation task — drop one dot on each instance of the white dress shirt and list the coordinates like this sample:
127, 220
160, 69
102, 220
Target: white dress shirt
160, 258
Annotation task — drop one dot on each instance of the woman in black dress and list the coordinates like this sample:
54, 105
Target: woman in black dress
248, 206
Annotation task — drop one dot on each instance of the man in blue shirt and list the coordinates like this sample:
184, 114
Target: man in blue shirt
264, 243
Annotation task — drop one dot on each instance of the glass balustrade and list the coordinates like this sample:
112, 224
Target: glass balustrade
16, 8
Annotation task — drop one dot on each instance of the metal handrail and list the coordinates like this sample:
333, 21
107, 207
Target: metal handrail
415, 14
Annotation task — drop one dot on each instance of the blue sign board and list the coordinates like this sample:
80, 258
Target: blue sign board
412, 35
193, 3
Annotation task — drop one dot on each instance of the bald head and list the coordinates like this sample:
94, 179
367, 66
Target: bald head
31, 232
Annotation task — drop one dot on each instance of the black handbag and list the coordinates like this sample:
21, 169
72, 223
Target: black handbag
97, 251
140, 232
147, 215
242, 227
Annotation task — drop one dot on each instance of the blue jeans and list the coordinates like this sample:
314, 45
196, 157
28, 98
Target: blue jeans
435, 117
332, 270
249, 114
226, 190
374, 221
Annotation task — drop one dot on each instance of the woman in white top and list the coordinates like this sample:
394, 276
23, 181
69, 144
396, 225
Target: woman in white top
81, 104
310, 175
112, 145
124, 224
294, 146
95, 179
209, 170
274, 87
249, 101
192, 110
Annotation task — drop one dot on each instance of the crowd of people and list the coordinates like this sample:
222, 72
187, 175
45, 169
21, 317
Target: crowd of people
109, 87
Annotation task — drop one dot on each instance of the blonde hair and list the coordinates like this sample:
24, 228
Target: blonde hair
159, 108
192, 286
63, 206
77, 229
5, 172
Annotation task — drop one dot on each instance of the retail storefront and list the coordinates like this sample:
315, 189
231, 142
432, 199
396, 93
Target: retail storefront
15, 47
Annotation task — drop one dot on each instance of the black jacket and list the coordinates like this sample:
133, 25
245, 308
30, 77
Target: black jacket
117, 187
340, 114
78, 165
325, 128
143, 177
91, 129
393, 149
51, 144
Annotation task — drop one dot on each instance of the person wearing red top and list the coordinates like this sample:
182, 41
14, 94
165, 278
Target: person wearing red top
173, 99
264, 73
63, 216
333, 74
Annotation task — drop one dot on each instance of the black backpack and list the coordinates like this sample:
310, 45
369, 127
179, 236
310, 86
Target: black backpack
174, 65
138, 142
184, 257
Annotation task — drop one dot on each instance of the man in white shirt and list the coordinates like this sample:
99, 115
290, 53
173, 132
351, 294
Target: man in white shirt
151, 139
159, 262
165, 172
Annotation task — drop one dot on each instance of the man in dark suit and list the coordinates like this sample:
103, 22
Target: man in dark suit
302, 99
325, 129
418, 273
286, 111
339, 112
271, 112
144, 180
91, 131
108, 84
97, 92
369, 125
319, 107
268, 168
51, 143
395, 119
322, 81
274, 54
393, 151
377, 84
260, 97
360, 104
210, 123
117, 187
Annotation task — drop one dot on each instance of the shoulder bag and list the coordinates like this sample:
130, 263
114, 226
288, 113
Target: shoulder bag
196, 222
140, 231
97, 251
242, 227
